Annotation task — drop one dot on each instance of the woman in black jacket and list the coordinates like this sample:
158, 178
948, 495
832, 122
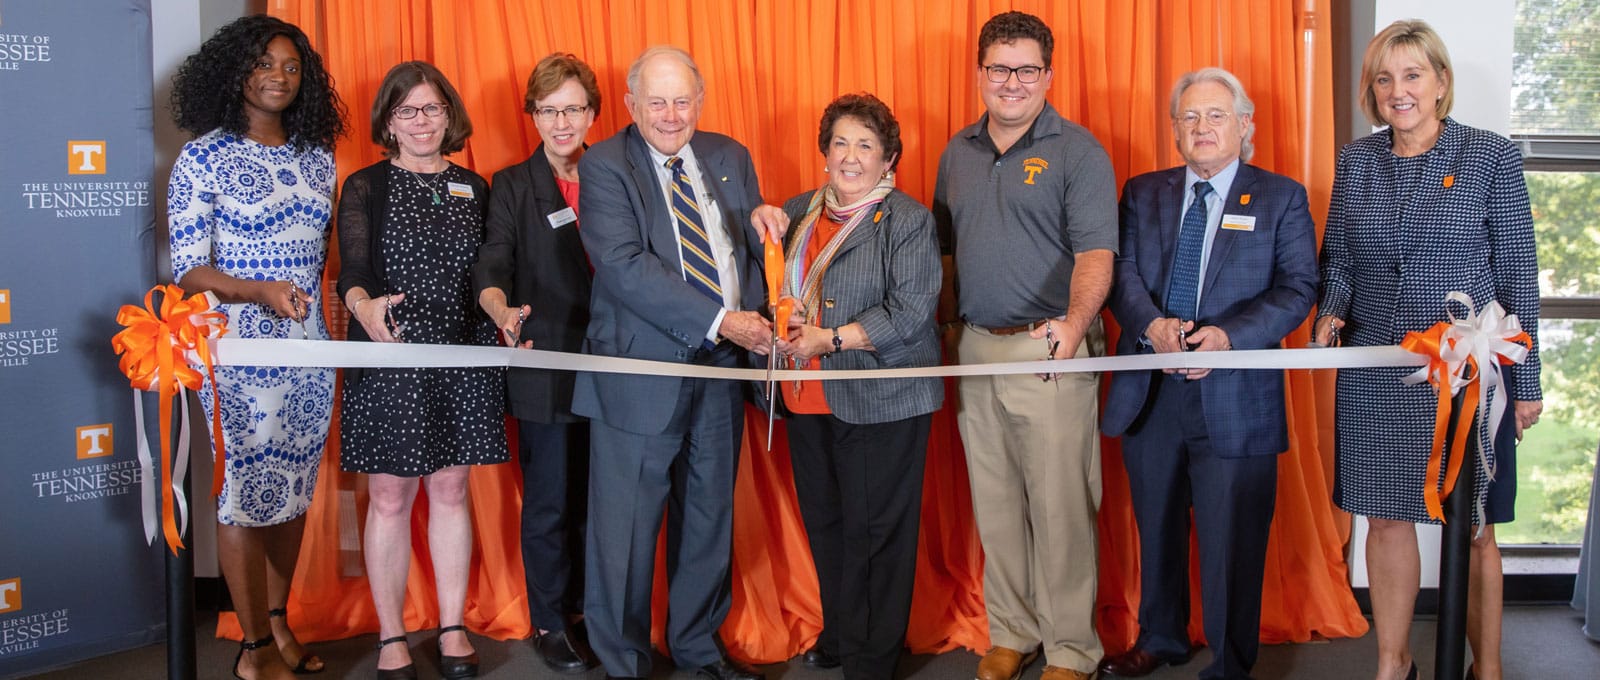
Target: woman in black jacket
532, 278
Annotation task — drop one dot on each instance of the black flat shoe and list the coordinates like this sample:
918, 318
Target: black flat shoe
564, 651
821, 660
406, 672
1412, 674
456, 667
307, 659
248, 646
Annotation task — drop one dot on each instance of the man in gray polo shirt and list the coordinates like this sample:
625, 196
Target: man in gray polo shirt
1026, 205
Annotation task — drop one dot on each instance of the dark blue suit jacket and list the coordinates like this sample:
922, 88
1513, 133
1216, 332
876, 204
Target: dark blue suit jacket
1258, 286
641, 307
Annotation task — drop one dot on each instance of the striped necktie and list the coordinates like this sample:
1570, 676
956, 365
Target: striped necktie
699, 267
1183, 291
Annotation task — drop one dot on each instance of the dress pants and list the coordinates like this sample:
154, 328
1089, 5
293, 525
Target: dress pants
555, 501
1033, 458
688, 472
860, 494
1171, 468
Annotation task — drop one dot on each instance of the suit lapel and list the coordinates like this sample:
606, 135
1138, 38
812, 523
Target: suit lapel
1169, 210
713, 176
1243, 183
657, 226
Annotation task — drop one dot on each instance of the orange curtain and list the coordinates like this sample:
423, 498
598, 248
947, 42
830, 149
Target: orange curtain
770, 68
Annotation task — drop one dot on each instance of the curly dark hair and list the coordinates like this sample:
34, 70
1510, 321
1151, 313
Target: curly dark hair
208, 92
1009, 27
872, 113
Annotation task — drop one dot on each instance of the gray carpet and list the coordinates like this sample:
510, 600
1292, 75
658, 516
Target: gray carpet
1540, 642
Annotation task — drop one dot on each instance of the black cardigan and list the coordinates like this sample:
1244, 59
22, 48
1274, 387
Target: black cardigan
363, 211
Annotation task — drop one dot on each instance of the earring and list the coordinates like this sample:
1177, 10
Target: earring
824, 169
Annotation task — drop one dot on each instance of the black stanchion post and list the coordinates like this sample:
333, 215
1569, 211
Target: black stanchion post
1455, 558
180, 589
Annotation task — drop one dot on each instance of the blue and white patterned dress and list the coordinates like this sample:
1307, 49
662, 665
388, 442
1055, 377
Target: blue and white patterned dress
259, 212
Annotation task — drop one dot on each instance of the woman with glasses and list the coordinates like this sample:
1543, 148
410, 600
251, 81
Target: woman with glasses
533, 279
409, 231
862, 272
1422, 208
248, 205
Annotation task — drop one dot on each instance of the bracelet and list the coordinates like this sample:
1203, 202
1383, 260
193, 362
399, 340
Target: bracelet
358, 303
838, 344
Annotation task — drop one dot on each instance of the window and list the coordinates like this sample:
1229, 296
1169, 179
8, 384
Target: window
1555, 118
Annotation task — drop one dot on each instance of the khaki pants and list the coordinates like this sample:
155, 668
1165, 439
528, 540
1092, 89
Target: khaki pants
1033, 456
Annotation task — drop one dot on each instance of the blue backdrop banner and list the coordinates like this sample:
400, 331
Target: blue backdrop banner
76, 220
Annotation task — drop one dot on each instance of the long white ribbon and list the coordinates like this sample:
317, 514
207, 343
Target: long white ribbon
149, 511
334, 354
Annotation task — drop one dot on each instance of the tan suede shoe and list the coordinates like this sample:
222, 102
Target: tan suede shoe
1059, 673
1004, 664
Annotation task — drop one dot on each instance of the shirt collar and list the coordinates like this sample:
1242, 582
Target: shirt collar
1222, 182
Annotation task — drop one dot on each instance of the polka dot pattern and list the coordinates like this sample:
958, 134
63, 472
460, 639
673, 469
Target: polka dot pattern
413, 422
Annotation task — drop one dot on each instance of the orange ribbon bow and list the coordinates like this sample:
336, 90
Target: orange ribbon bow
152, 345
1457, 350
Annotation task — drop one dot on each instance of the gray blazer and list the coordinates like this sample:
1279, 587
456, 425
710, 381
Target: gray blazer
886, 276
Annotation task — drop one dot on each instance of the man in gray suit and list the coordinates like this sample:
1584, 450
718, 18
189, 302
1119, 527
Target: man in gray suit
677, 275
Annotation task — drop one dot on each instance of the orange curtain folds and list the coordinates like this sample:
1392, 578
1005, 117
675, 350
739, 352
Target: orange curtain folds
770, 68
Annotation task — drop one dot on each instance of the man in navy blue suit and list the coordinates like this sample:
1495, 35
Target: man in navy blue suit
1215, 255
677, 278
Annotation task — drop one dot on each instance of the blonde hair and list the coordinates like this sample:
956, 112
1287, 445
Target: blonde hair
1410, 34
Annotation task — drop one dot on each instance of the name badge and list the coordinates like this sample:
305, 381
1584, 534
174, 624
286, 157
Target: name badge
562, 217
460, 190
1239, 222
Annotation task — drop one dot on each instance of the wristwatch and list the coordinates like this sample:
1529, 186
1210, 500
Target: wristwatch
838, 344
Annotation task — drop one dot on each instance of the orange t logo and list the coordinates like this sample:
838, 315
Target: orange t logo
1034, 166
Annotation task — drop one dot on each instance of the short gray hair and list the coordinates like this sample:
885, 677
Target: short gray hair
664, 50
1242, 106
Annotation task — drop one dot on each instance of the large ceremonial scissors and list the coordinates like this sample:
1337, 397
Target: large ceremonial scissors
781, 308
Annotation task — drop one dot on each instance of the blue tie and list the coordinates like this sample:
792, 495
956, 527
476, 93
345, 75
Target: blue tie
699, 267
1183, 289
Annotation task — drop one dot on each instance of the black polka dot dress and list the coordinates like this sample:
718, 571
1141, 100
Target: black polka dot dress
1402, 232
414, 421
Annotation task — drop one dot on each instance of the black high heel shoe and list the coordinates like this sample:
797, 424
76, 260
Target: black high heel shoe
306, 657
248, 646
406, 672
456, 667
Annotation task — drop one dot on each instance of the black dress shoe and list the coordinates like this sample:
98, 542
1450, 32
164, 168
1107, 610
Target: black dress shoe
728, 669
456, 667
564, 652
816, 658
1136, 663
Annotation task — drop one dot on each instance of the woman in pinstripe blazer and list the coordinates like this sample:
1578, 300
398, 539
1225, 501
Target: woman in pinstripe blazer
863, 268
1423, 208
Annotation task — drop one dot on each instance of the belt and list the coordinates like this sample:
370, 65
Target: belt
1012, 330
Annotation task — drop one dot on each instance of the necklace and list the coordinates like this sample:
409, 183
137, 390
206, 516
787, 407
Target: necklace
432, 187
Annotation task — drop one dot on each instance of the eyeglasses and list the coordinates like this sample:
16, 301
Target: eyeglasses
1025, 74
547, 114
409, 112
1214, 118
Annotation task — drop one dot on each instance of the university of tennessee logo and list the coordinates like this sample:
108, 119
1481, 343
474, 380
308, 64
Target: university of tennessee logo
10, 595
5, 306
94, 441
1034, 166
86, 157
